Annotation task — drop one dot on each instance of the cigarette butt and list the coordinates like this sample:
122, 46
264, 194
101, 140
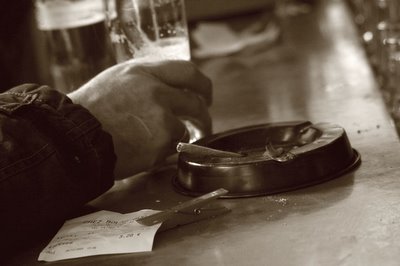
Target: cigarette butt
204, 151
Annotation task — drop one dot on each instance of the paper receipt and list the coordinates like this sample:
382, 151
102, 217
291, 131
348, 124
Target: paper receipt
102, 232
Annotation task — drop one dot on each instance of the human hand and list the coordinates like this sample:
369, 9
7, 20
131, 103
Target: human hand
140, 105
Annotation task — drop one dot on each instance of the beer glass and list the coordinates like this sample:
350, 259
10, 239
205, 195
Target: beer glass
148, 31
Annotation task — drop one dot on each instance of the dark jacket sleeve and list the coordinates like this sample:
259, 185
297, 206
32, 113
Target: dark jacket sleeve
54, 157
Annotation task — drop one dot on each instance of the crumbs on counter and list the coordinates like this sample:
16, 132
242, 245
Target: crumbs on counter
359, 131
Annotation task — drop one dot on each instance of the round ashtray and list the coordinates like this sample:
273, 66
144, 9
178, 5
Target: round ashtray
265, 159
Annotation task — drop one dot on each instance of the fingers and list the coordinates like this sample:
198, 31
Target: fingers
181, 74
186, 105
194, 109
179, 132
182, 83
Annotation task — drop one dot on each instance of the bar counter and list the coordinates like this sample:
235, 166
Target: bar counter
319, 73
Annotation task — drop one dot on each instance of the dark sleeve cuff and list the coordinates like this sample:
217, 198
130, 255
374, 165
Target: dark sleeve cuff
55, 157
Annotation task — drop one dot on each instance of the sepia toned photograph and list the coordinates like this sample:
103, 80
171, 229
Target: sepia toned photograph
200, 132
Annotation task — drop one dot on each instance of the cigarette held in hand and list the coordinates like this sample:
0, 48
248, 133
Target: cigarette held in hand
204, 151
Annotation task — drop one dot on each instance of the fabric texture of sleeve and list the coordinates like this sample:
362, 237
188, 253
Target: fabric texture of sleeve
54, 158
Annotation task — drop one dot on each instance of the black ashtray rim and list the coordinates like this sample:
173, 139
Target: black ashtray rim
328, 155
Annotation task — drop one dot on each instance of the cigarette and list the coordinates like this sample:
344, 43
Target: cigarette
204, 151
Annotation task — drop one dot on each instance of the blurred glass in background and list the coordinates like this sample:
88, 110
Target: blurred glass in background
148, 30
76, 40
